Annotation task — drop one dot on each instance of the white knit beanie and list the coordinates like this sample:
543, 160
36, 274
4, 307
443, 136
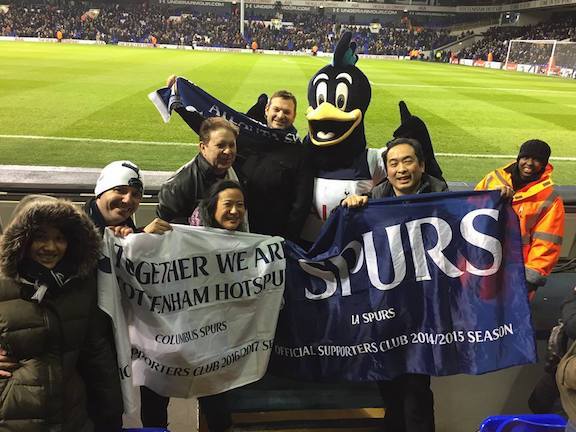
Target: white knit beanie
119, 173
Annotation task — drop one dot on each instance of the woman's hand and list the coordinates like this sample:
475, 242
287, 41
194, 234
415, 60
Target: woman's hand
7, 364
157, 226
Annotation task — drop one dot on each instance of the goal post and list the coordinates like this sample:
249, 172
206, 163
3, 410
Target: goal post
564, 59
547, 57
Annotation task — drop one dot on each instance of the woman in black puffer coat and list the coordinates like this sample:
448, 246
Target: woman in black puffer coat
48, 300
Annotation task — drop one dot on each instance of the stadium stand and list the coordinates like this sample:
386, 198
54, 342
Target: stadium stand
123, 23
116, 23
496, 38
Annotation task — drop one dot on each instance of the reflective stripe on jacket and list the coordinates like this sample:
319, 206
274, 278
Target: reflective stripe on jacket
541, 213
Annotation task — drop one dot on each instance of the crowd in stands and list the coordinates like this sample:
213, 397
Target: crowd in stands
496, 39
394, 41
115, 23
140, 24
309, 31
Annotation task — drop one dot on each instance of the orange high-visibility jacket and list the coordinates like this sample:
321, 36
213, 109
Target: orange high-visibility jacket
541, 213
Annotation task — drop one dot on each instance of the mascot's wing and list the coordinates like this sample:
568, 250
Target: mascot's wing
258, 110
413, 127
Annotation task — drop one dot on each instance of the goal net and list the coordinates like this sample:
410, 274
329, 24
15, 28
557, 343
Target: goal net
549, 57
564, 59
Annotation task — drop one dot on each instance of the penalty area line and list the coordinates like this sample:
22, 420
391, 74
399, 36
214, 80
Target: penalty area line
96, 140
441, 87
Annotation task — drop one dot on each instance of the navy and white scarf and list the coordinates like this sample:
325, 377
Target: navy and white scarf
194, 99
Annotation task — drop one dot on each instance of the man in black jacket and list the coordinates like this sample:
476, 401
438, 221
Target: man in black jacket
276, 176
408, 398
180, 194
117, 196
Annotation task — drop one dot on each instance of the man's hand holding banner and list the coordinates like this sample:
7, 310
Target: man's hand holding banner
432, 284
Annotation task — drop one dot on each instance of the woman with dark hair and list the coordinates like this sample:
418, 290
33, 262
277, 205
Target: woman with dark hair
48, 300
224, 207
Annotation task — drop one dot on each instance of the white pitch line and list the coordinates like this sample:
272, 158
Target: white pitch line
478, 156
509, 89
100, 140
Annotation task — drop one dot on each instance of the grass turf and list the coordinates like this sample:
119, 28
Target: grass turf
99, 92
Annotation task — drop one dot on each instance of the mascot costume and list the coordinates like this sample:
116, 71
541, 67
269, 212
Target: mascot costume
339, 95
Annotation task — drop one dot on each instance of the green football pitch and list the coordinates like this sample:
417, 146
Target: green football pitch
71, 105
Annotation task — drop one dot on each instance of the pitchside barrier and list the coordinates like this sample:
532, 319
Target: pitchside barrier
281, 404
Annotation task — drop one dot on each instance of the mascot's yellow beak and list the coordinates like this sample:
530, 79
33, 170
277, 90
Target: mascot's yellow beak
328, 125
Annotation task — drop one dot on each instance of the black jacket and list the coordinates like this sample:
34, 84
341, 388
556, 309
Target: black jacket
103, 331
278, 181
568, 315
180, 194
428, 184
276, 176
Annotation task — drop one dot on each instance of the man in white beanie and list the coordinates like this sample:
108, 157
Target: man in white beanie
117, 196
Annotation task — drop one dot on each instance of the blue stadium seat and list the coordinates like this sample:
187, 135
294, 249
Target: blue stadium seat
523, 423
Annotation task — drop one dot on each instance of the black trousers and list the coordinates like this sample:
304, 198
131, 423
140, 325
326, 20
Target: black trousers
154, 410
544, 397
409, 404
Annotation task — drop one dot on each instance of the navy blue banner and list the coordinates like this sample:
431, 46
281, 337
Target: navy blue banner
432, 284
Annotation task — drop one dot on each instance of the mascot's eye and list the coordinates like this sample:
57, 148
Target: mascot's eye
341, 96
321, 92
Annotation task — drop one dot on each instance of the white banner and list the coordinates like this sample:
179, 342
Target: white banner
194, 310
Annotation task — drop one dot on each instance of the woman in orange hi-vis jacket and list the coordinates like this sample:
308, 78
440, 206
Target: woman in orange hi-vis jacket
539, 208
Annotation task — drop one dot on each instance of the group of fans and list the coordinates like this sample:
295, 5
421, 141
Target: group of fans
49, 251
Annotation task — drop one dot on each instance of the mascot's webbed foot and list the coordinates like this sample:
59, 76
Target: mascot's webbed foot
413, 127
258, 110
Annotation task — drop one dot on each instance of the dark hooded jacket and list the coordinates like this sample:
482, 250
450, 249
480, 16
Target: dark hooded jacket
51, 338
